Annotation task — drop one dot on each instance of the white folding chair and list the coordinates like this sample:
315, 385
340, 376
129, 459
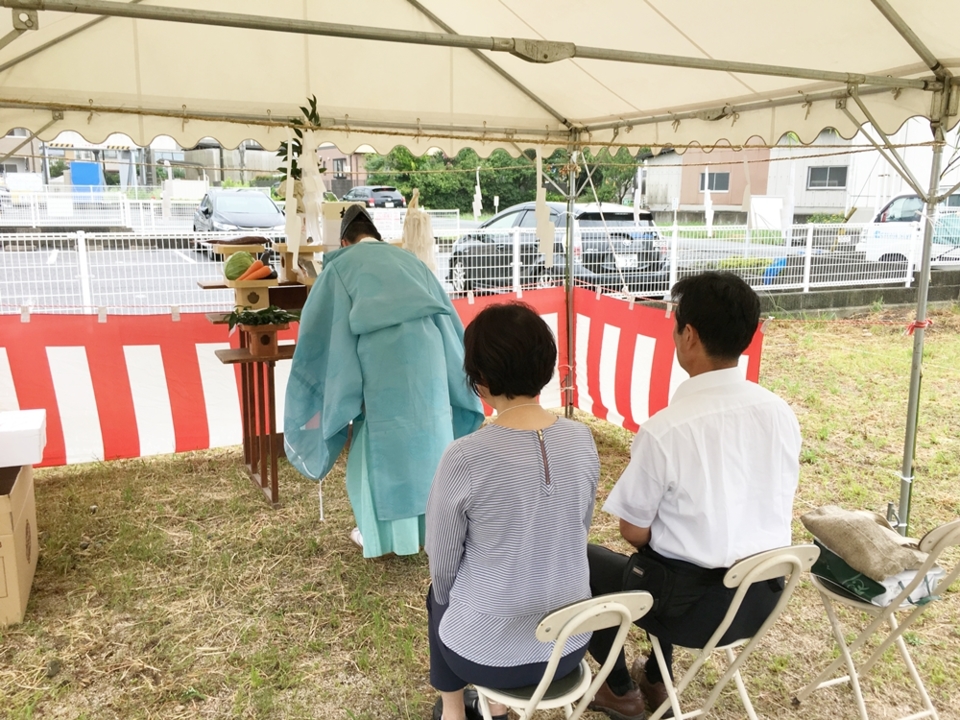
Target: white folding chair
933, 543
603, 611
761, 567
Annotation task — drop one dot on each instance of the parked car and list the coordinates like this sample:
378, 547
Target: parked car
381, 196
892, 240
245, 209
909, 208
610, 249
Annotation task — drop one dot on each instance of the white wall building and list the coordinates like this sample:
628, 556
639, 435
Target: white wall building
821, 178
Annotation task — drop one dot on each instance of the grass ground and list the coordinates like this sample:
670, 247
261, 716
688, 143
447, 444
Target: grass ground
167, 589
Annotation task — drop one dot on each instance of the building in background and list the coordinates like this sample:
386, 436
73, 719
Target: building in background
831, 176
125, 164
26, 153
250, 161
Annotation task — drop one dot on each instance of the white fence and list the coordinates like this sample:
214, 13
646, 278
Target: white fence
137, 273
445, 223
805, 258
147, 212
118, 273
95, 209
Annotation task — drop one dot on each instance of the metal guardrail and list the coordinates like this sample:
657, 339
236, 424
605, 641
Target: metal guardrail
150, 273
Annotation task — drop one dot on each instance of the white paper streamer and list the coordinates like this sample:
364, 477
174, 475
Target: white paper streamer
477, 199
417, 234
293, 225
313, 189
546, 230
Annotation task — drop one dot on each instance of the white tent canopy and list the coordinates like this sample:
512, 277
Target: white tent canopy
493, 73
644, 73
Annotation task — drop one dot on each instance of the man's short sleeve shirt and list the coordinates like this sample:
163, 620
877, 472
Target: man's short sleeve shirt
714, 474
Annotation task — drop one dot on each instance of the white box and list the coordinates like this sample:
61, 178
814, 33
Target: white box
23, 435
19, 544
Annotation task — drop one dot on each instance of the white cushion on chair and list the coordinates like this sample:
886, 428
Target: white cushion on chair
923, 593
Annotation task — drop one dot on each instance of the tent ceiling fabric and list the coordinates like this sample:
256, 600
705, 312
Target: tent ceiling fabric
148, 77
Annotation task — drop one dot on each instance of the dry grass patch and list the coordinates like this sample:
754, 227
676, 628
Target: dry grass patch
167, 589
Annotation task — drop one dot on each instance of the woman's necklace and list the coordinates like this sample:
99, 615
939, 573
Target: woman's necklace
514, 407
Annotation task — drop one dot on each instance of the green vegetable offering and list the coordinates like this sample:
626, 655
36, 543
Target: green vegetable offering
237, 264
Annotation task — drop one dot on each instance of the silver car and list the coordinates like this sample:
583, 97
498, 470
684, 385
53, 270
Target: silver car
240, 209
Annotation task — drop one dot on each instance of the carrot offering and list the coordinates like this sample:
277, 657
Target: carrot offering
256, 265
259, 274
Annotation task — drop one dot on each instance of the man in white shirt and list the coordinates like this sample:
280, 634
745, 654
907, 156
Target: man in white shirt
711, 480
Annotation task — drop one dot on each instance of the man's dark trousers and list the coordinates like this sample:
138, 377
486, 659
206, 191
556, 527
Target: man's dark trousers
691, 629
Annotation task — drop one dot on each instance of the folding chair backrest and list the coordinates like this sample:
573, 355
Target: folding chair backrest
596, 613
792, 561
771, 564
638, 604
941, 537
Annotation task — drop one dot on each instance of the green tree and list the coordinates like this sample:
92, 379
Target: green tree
512, 179
57, 168
617, 175
433, 173
448, 182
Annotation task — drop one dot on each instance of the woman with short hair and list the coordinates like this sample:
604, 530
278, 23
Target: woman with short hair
507, 520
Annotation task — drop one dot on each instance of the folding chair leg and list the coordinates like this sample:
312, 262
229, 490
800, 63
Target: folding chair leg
741, 688
484, 707
673, 700
824, 678
930, 711
897, 631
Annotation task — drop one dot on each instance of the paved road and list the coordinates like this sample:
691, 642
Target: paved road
134, 281
141, 281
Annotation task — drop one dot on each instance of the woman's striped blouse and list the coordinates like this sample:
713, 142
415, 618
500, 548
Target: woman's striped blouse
507, 523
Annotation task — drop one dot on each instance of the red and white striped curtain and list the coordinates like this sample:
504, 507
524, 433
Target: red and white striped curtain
136, 386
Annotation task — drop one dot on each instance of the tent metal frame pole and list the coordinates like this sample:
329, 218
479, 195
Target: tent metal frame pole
904, 168
523, 155
568, 275
729, 110
557, 137
493, 66
532, 50
898, 167
56, 41
948, 193
923, 286
910, 36
33, 135
916, 367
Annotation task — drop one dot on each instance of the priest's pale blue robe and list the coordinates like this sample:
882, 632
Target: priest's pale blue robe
379, 345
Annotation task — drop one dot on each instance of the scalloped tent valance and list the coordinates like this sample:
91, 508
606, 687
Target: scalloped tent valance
481, 74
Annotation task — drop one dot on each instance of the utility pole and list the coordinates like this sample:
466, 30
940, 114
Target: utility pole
44, 163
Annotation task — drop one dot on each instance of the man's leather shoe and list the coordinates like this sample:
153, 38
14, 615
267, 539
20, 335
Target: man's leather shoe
654, 693
619, 707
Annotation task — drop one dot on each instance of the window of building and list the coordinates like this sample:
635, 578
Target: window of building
827, 177
339, 167
7, 168
719, 182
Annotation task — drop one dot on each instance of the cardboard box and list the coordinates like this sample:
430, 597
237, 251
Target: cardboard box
19, 546
23, 435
